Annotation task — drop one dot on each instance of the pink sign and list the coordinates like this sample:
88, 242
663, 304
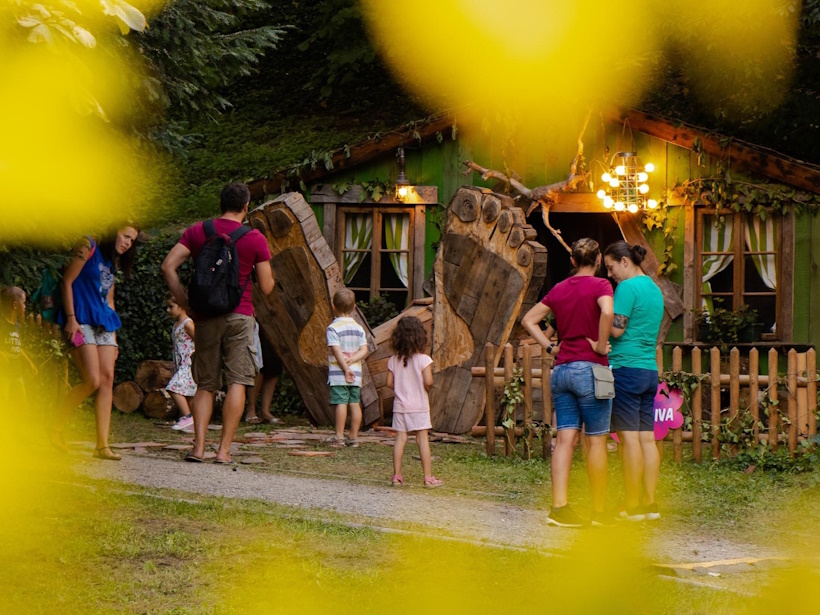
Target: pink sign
667, 411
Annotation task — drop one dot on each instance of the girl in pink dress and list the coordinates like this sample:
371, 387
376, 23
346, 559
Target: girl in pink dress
182, 387
410, 375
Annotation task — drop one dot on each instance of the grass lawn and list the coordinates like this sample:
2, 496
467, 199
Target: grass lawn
713, 498
74, 550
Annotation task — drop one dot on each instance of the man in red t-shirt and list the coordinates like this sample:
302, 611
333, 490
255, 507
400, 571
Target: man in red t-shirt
226, 341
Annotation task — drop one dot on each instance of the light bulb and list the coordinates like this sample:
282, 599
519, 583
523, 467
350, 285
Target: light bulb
620, 169
614, 182
643, 177
619, 206
643, 188
608, 202
601, 194
649, 167
632, 208
652, 203
606, 177
403, 192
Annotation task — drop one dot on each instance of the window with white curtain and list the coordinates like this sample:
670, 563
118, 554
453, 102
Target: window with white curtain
738, 261
374, 247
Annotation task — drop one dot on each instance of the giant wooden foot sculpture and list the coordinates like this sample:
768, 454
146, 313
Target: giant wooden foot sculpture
488, 271
295, 316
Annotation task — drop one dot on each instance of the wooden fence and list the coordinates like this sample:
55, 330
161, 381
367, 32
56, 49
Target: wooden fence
799, 384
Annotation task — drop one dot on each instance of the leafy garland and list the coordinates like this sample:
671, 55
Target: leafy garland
723, 192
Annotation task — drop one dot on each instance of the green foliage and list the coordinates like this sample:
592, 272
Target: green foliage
658, 219
340, 36
685, 382
378, 310
196, 51
724, 325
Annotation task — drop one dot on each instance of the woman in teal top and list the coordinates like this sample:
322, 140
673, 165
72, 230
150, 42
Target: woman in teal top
638, 314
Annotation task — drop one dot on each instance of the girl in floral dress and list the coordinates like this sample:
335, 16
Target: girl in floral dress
182, 387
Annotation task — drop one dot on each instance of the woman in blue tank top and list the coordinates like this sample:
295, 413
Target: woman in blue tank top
91, 322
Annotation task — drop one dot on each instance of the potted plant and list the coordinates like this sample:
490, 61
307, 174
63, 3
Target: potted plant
724, 326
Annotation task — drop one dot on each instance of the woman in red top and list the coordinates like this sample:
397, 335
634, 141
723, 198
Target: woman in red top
582, 305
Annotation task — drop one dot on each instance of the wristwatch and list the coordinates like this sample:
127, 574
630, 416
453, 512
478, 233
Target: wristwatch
550, 348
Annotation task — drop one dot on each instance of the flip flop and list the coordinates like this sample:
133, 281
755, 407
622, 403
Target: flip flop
254, 421
221, 462
193, 458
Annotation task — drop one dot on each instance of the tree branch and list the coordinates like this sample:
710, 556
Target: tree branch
513, 180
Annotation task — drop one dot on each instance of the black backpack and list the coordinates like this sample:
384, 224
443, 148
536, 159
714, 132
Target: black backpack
214, 289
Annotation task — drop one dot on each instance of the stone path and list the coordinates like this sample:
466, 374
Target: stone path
436, 513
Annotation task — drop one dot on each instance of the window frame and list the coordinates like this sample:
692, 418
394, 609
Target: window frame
785, 248
376, 250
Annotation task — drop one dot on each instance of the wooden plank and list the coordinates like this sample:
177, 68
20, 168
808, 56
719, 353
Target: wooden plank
689, 273
772, 399
734, 386
421, 195
677, 446
509, 365
546, 403
417, 252
697, 407
754, 388
791, 384
329, 226
811, 390
489, 400
785, 280
802, 398
632, 234
756, 159
714, 419
527, 366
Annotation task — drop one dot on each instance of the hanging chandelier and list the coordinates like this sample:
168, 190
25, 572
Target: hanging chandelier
626, 184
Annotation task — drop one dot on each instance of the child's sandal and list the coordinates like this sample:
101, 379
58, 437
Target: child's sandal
397, 481
431, 482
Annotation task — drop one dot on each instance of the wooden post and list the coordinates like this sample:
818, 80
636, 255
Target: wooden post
546, 400
489, 399
659, 363
527, 364
791, 383
677, 434
802, 399
715, 409
697, 407
734, 387
754, 406
811, 389
509, 365
773, 398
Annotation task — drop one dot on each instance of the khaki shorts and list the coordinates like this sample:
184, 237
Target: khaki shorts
224, 342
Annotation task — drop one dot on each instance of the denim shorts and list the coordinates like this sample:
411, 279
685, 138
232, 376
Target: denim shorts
573, 392
98, 336
633, 408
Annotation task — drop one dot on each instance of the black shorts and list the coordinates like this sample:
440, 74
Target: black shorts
271, 363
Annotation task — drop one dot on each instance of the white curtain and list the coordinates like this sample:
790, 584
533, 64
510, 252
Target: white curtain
715, 240
358, 236
761, 237
397, 237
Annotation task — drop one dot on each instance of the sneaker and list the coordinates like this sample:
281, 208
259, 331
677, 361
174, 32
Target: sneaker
651, 512
631, 514
334, 440
352, 442
183, 423
564, 516
602, 519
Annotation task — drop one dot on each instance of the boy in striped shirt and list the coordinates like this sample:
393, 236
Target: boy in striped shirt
347, 346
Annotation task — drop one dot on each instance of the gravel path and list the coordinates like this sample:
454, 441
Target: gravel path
436, 513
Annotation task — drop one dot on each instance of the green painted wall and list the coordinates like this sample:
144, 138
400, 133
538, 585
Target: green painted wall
440, 165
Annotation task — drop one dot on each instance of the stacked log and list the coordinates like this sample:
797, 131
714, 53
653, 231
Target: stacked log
147, 391
128, 396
